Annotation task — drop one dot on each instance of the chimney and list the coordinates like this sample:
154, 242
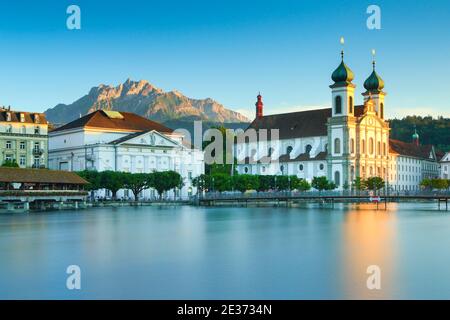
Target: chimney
259, 107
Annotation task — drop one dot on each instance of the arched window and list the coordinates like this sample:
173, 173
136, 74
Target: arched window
246, 169
371, 171
337, 145
338, 105
337, 178
270, 152
352, 145
384, 148
382, 110
363, 146
308, 149
321, 166
281, 168
350, 104
379, 148
371, 146
300, 167
289, 150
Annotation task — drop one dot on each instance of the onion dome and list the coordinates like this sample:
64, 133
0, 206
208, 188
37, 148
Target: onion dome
374, 81
415, 135
343, 74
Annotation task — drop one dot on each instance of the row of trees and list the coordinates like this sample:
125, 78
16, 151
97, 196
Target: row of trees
161, 181
243, 182
436, 183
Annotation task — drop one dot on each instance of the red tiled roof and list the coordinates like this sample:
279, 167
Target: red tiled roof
410, 149
29, 117
128, 122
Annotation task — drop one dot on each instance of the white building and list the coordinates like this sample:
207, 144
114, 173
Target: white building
122, 141
445, 166
342, 143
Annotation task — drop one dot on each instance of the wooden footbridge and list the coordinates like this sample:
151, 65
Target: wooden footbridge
442, 199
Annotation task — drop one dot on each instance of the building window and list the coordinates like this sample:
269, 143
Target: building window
289, 150
22, 145
337, 178
23, 160
37, 130
384, 148
22, 117
300, 167
371, 146
382, 111
337, 146
8, 145
308, 149
338, 105
363, 145
321, 166
245, 169
379, 148
352, 145
24, 130
189, 175
8, 157
350, 104
9, 129
37, 146
270, 152
281, 168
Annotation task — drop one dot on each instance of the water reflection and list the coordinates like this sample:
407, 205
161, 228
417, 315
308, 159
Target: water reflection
369, 238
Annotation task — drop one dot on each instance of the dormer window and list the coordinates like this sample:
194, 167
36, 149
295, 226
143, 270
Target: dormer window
22, 117
8, 116
36, 118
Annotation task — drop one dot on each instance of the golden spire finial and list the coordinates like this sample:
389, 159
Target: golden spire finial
342, 41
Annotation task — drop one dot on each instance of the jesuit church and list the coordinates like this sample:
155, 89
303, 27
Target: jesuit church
342, 142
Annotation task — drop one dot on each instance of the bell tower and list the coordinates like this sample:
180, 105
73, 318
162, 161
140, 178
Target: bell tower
374, 86
259, 106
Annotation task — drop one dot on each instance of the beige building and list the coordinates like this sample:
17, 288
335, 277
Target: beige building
23, 138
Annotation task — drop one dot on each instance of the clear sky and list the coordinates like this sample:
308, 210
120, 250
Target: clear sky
226, 50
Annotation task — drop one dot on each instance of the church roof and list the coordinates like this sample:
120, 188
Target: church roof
411, 149
126, 121
19, 175
310, 123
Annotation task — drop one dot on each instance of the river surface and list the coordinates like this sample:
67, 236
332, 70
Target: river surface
185, 252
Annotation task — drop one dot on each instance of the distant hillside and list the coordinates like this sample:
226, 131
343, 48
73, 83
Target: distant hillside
435, 131
146, 100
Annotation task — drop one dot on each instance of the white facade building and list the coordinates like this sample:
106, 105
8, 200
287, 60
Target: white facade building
342, 143
445, 166
126, 142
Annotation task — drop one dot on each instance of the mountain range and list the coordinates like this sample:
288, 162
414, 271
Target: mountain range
146, 100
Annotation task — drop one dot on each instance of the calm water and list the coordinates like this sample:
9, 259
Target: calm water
227, 253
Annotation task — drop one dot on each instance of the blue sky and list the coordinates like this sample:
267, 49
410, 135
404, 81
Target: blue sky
226, 50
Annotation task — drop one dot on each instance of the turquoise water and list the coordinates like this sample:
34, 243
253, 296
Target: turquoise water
227, 253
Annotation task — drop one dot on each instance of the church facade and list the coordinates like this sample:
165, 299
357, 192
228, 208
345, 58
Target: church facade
342, 143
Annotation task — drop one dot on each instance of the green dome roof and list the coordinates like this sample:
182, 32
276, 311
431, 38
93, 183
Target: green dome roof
374, 82
415, 135
342, 74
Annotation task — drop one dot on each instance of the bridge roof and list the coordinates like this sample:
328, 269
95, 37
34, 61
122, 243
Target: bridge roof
44, 176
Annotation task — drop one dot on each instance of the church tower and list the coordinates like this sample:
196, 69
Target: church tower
374, 86
342, 127
259, 106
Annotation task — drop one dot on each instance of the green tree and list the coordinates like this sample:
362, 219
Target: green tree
10, 163
266, 182
202, 182
112, 181
282, 183
439, 184
93, 177
321, 183
222, 182
375, 183
244, 182
136, 182
359, 184
163, 181
302, 185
